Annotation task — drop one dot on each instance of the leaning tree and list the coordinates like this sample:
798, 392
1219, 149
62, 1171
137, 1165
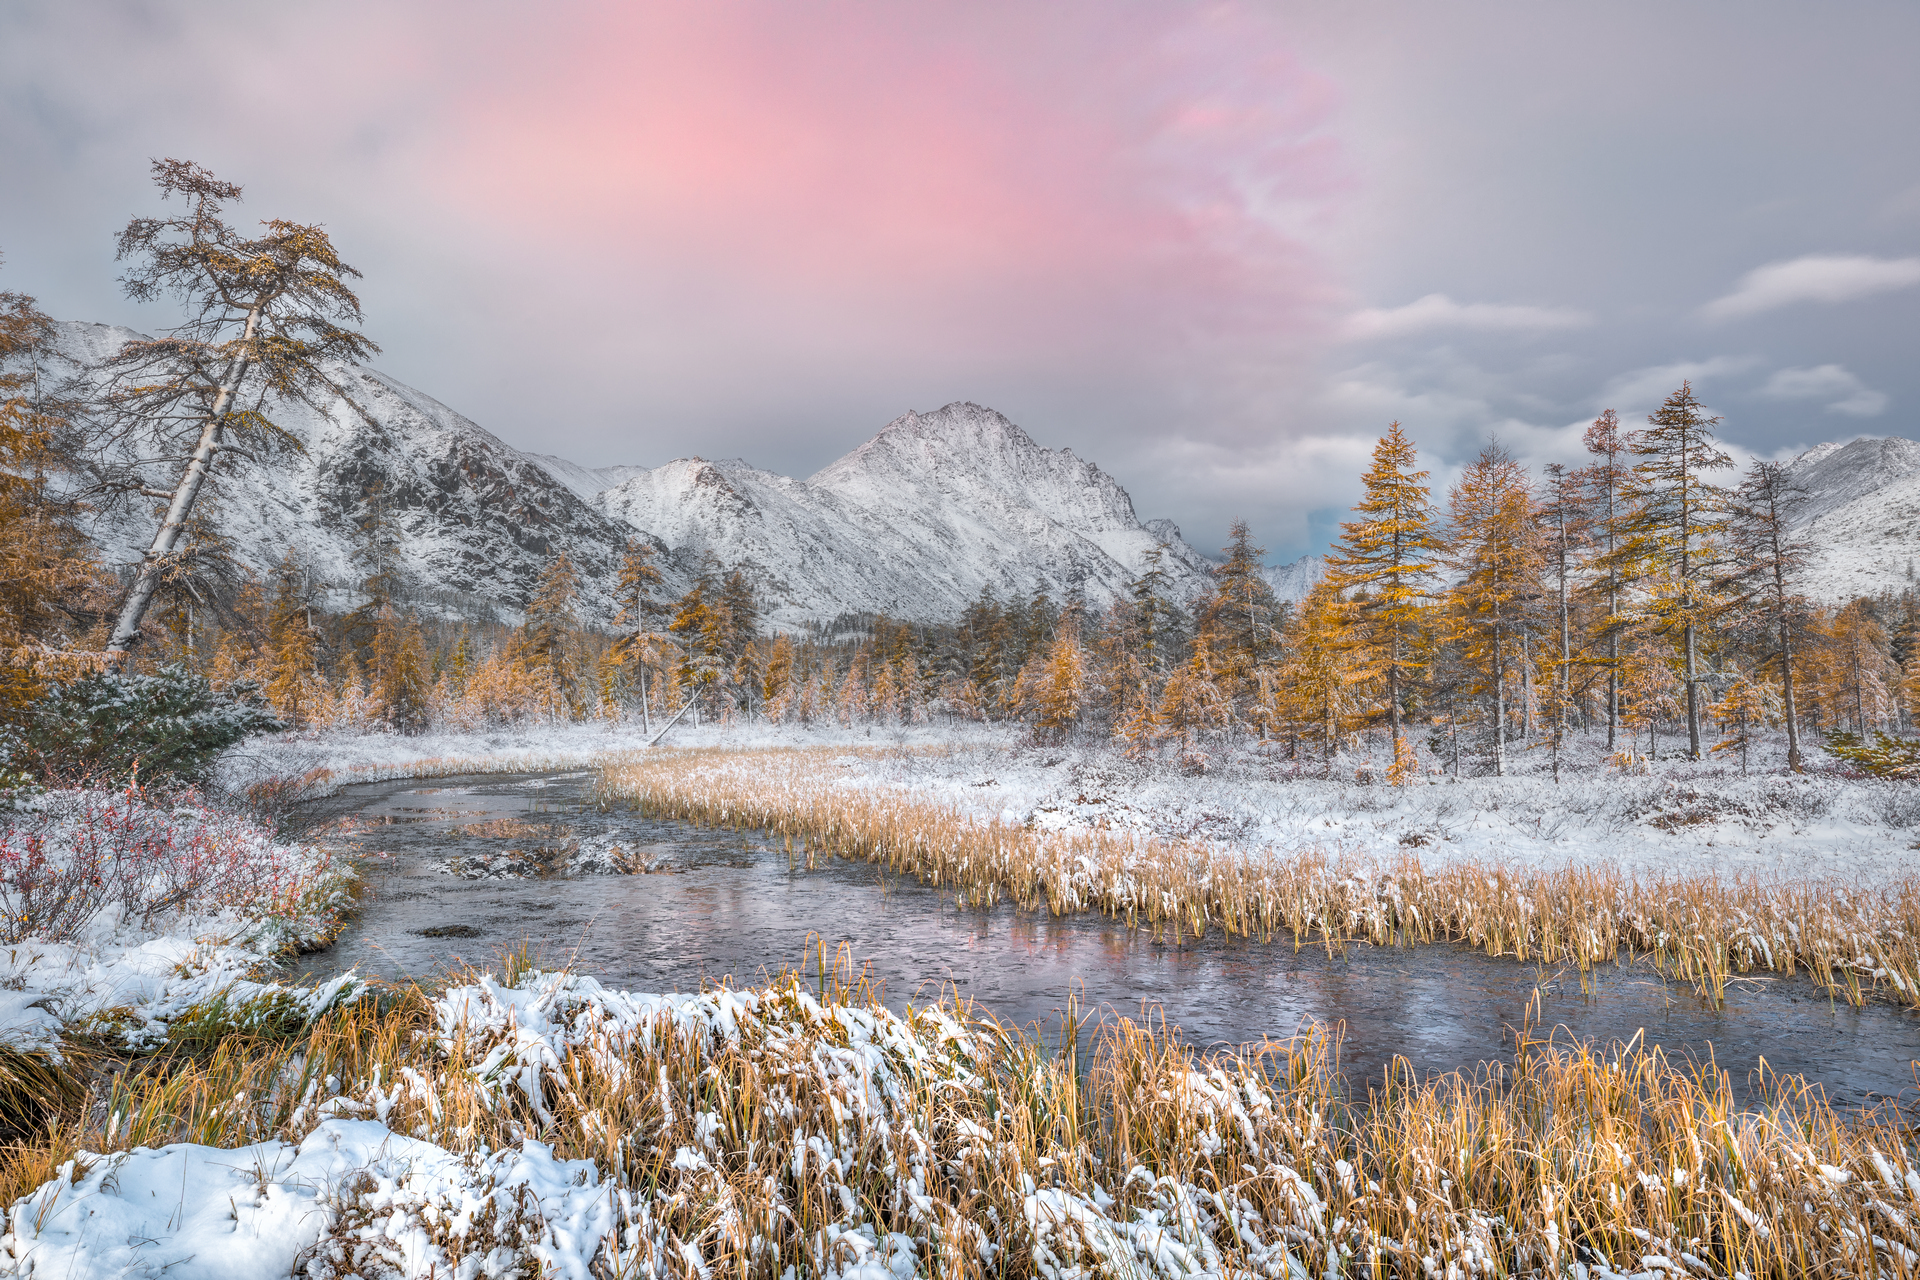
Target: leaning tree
263, 316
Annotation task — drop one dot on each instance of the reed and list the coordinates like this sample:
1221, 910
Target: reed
1857, 943
741, 1133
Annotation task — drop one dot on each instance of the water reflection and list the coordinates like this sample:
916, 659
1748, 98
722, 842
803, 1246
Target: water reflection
694, 906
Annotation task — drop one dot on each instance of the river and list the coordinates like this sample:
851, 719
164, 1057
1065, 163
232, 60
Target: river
464, 869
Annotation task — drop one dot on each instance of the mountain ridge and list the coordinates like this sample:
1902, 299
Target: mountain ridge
916, 522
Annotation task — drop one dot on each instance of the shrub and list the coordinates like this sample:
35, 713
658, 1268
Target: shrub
73, 854
168, 726
1887, 757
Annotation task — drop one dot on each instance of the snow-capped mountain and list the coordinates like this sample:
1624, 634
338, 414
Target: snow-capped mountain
1861, 515
1291, 582
474, 515
915, 523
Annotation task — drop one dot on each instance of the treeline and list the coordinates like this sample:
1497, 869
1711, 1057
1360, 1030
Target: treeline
1642, 593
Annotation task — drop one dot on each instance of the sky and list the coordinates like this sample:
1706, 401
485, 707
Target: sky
1215, 248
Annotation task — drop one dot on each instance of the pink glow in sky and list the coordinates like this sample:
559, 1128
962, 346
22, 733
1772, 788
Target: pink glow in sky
1026, 185
1213, 246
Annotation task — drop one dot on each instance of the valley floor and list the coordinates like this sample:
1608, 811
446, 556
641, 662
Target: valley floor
1680, 817
355, 1168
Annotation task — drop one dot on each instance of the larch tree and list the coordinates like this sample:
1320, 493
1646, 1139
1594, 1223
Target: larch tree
1317, 682
639, 615
1495, 547
264, 316
294, 686
1863, 670
1383, 570
1607, 480
1156, 618
1765, 556
1059, 691
547, 630
1564, 523
701, 621
45, 561
1240, 615
1678, 513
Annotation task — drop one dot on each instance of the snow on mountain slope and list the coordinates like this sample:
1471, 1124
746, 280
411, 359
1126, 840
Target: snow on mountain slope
1862, 516
586, 482
474, 515
1291, 582
915, 523
995, 509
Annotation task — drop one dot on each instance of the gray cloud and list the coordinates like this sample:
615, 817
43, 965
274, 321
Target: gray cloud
1557, 190
1817, 277
1843, 392
1438, 312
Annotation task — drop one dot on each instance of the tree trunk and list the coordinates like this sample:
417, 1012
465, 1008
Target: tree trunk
1499, 708
1786, 675
1693, 696
1613, 684
1393, 708
126, 629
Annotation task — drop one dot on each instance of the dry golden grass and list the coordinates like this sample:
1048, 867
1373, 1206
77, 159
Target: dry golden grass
1855, 943
747, 1132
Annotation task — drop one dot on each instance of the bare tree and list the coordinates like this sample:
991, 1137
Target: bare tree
262, 317
1766, 560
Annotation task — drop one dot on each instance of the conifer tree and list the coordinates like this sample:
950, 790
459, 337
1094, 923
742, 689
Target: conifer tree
545, 635
1316, 675
46, 564
1239, 616
1383, 569
264, 318
701, 622
640, 581
1679, 511
1765, 559
1496, 549
1652, 691
779, 674
1564, 517
1608, 481
1862, 668
1156, 619
400, 671
1747, 705
293, 684
1062, 688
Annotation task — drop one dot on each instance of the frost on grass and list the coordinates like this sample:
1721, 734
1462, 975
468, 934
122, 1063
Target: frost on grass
1680, 817
550, 1126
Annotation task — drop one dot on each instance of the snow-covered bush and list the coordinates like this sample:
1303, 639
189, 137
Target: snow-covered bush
68, 856
107, 727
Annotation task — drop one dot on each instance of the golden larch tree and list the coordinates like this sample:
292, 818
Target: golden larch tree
1383, 571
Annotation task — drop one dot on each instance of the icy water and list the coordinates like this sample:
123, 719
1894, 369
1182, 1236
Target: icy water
466, 868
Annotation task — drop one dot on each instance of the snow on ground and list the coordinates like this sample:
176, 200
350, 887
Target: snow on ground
243, 1213
119, 912
361, 757
1679, 817
1682, 818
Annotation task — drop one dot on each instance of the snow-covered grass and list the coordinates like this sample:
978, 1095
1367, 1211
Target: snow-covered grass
538, 1123
316, 763
1679, 817
1086, 836
541, 1124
